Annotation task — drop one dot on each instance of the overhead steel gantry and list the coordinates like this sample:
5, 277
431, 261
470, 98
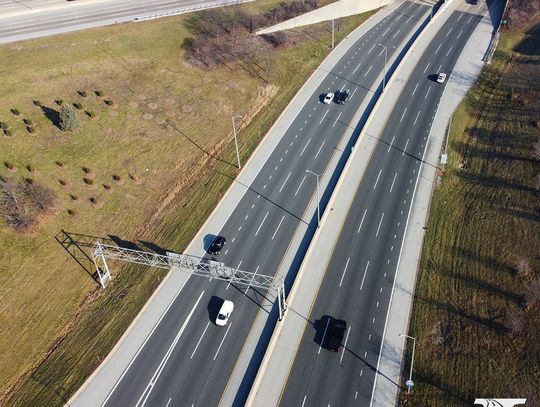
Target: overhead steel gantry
194, 265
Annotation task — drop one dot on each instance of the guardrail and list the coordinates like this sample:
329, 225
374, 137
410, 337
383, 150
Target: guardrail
189, 9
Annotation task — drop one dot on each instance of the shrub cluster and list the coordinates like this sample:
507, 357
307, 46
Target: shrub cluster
521, 12
69, 120
225, 35
22, 203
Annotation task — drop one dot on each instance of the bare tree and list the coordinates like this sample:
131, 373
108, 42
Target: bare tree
521, 12
43, 198
12, 208
21, 203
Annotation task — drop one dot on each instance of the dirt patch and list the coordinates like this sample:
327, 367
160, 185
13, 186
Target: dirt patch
133, 105
148, 116
152, 106
186, 108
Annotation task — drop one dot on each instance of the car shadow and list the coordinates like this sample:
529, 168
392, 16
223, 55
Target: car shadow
433, 77
213, 307
321, 326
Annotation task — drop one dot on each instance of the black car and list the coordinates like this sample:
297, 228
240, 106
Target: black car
217, 245
336, 332
342, 97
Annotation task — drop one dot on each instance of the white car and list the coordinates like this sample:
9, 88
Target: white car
224, 313
441, 77
329, 97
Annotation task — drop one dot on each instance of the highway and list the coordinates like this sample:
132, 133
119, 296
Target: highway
63, 16
188, 360
359, 277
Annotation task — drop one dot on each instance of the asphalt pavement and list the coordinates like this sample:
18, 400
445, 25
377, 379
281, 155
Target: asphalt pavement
187, 360
360, 274
21, 20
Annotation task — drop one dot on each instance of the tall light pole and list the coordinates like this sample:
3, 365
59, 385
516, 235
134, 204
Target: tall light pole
318, 199
235, 140
409, 382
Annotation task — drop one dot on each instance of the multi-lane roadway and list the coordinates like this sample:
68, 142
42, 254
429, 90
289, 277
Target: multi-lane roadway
188, 360
360, 274
37, 18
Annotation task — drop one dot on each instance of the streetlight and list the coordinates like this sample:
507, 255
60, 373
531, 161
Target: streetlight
385, 57
318, 208
409, 382
235, 140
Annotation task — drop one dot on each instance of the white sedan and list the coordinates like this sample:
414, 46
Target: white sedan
329, 97
224, 313
441, 77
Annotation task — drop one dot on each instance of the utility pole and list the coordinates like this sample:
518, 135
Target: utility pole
318, 198
235, 140
410, 382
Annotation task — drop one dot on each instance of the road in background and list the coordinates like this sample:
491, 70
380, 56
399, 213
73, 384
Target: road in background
44, 18
188, 359
359, 277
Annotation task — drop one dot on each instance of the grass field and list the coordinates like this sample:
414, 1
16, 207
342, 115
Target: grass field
56, 324
484, 217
